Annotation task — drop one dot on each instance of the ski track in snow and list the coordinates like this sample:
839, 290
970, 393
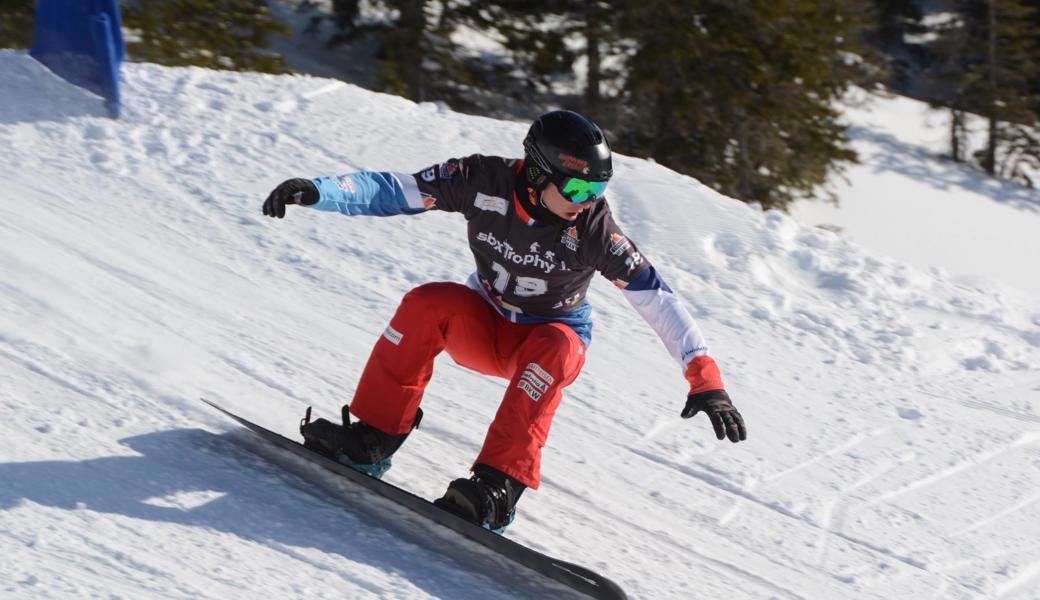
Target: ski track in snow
892, 412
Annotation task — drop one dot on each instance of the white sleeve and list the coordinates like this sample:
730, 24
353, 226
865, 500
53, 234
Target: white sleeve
667, 316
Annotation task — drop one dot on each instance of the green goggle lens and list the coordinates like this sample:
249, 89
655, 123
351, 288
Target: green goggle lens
578, 190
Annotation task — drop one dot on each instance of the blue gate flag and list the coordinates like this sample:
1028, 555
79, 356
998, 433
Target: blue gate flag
82, 41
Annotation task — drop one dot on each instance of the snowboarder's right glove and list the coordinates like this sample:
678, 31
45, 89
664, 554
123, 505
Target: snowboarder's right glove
292, 191
707, 393
724, 416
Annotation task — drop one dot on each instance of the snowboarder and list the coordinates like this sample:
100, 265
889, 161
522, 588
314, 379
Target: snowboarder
539, 229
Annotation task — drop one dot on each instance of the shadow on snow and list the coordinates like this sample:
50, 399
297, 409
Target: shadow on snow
942, 173
270, 506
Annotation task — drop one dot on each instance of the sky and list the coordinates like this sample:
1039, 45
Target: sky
893, 408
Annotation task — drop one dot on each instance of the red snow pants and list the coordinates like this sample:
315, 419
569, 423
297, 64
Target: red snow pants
538, 360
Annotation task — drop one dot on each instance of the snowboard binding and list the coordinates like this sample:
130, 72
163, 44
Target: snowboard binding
357, 445
488, 498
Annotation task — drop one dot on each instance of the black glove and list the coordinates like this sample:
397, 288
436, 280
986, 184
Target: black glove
724, 417
291, 191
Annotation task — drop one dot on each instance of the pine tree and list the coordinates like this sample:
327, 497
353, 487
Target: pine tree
217, 34
891, 22
1020, 160
16, 23
416, 57
537, 67
545, 42
951, 55
741, 94
989, 59
1034, 20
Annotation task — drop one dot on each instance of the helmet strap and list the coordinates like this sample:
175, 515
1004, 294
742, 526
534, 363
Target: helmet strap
537, 177
537, 180
540, 211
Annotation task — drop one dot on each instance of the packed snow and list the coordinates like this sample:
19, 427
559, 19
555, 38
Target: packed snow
893, 413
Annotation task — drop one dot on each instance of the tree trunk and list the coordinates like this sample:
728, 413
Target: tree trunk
989, 159
956, 135
592, 50
410, 48
745, 172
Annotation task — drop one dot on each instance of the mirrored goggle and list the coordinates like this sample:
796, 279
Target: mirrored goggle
578, 190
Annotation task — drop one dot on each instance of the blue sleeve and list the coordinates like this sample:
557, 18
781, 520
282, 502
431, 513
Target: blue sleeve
648, 280
373, 194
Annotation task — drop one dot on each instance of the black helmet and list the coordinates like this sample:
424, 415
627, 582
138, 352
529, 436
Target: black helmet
563, 144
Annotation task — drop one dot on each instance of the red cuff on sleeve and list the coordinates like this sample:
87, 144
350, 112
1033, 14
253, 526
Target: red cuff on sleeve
703, 375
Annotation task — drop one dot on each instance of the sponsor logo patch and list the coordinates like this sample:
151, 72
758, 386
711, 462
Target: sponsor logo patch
539, 371
345, 183
448, 169
699, 350
429, 202
395, 337
538, 383
619, 244
570, 239
491, 203
634, 260
511, 255
535, 381
429, 175
529, 389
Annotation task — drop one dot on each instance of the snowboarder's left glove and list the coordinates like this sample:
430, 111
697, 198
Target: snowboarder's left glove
724, 416
292, 191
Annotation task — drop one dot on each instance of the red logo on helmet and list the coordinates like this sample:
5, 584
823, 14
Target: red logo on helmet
574, 163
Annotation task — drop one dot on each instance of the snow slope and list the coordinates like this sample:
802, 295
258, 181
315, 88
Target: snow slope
893, 414
906, 200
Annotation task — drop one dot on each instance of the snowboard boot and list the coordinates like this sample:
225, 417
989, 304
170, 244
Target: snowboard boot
357, 445
488, 498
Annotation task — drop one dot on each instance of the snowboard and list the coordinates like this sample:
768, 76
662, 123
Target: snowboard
575, 577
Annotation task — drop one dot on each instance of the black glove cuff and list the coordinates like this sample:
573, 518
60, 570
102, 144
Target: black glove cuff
306, 192
702, 400
709, 395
